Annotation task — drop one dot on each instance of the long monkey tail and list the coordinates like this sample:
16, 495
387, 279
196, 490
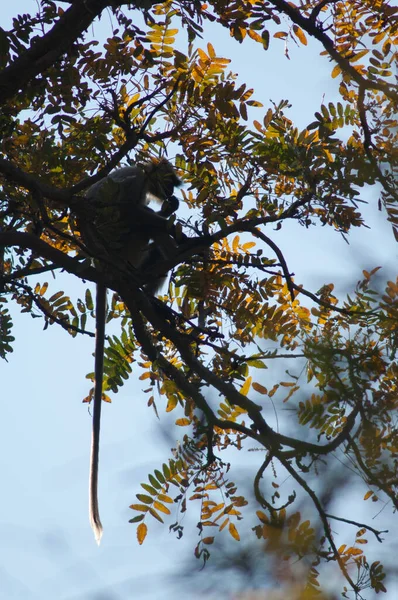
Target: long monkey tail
94, 517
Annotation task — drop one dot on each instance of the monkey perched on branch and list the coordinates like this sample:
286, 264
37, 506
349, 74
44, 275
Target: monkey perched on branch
119, 223
118, 219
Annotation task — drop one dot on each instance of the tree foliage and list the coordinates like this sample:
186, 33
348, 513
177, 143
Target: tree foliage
73, 108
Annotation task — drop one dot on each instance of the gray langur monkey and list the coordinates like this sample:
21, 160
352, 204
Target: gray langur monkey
118, 222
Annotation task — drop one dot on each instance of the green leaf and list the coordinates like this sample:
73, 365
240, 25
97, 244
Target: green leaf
144, 498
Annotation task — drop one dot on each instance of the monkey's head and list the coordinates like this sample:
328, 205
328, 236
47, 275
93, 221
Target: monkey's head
162, 179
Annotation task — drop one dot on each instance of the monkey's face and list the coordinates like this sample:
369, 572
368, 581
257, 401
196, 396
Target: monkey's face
163, 180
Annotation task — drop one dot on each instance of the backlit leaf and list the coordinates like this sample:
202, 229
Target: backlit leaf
246, 386
234, 532
141, 532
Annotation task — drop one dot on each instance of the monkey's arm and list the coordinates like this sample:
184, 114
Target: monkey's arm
100, 318
148, 219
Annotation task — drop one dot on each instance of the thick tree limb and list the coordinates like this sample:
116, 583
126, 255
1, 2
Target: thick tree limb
45, 50
32, 242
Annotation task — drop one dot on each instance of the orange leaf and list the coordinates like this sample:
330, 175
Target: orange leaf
280, 34
145, 376
208, 540
183, 422
259, 388
203, 55
272, 392
234, 532
263, 517
300, 34
224, 523
141, 532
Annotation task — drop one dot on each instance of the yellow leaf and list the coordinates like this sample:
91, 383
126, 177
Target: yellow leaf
246, 386
210, 50
248, 245
159, 506
377, 38
336, 71
164, 498
262, 516
224, 523
203, 55
132, 99
300, 34
354, 551
302, 313
221, 61
232, 511
281, 35
183, 422
368, 495
43, 289
358, 55
255, 36
141, 532
234, 532
145, 376
171, 404
235, 244
256, 363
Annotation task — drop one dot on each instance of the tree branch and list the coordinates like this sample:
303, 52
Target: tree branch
322, 515
71, 265
46, 50
50, 316
361, 525
315, 31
